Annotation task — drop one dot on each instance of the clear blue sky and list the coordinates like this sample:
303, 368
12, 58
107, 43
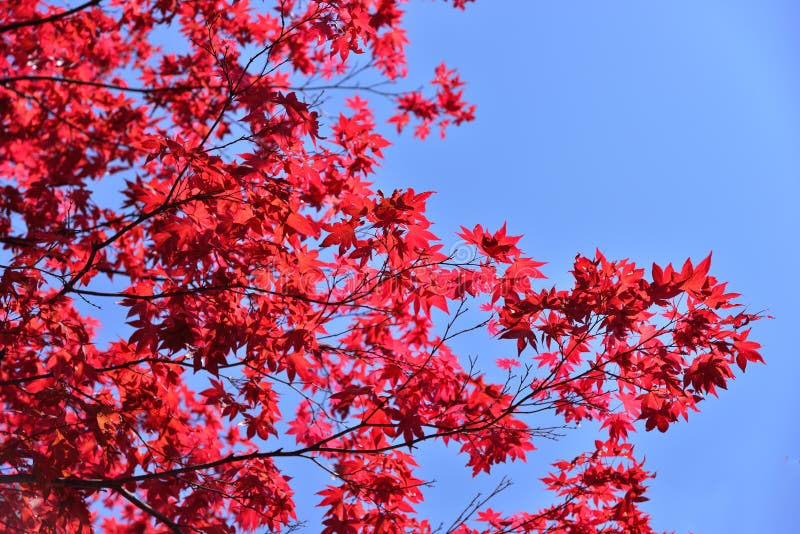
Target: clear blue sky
653, 131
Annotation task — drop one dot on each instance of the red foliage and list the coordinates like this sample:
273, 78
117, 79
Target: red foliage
278, 306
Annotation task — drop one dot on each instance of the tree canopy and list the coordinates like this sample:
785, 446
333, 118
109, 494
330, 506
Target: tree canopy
182, 160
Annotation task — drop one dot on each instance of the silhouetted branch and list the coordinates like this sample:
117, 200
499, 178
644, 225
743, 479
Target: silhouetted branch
37, 21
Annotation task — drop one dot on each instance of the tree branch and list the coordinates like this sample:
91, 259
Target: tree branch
144, 90
37, 21
174, 527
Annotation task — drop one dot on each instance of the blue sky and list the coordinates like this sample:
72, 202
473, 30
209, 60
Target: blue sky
653, 131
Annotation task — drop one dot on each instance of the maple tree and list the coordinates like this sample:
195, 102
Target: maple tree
278, 305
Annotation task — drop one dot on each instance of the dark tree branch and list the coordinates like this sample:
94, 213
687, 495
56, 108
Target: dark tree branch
94, 484
477, 503
38, 21
144, 90
174, 527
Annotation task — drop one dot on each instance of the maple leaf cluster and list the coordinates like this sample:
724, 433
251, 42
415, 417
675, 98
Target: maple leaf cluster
278, 306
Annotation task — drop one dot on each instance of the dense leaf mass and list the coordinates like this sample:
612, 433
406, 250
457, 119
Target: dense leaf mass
177, 159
